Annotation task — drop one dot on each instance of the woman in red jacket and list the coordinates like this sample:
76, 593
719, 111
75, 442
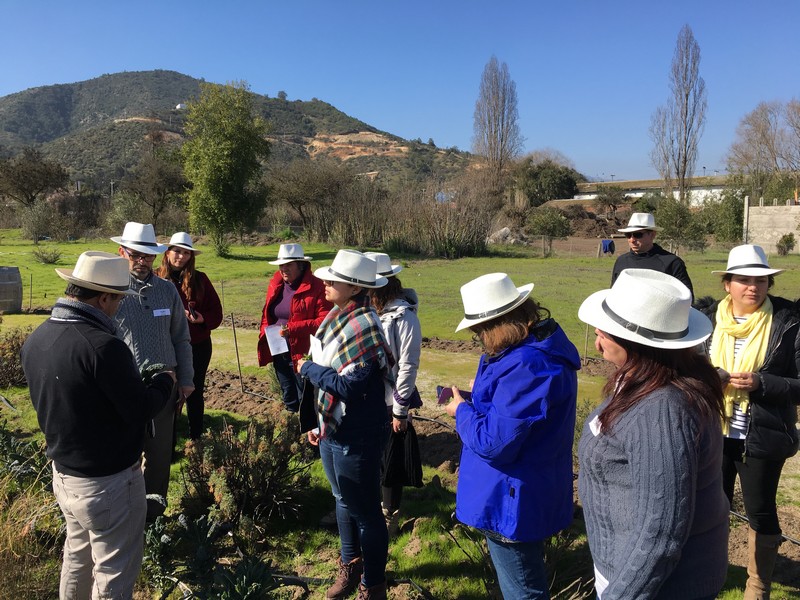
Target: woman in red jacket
296, 302
203, 311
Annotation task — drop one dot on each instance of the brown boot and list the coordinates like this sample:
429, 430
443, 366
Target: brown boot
347, 579
376, 592
762, 550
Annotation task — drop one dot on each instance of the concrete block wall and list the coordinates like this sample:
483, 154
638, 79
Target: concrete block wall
768, 223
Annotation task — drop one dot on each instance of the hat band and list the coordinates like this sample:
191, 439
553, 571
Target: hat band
389, 272
350, 279
750, 266
642, 331
124, 241
79, 282
491, 313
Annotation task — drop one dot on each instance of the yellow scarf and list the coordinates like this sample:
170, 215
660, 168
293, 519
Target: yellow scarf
750, 358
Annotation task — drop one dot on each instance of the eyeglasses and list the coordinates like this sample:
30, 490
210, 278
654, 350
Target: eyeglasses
635, 234
137, 257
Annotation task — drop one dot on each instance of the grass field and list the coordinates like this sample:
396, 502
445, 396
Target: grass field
561, 284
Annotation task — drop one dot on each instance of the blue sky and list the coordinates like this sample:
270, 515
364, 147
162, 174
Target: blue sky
588, 73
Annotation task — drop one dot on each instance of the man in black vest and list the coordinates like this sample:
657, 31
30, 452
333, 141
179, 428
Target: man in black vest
646, 254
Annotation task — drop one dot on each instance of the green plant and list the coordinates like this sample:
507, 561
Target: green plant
786, 244
47, 256
257, 472
11, 342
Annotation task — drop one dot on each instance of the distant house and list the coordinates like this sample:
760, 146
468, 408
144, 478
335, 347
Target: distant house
701, 189
180, 106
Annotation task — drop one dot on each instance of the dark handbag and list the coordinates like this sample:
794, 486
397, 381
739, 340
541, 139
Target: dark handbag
402, 464
308, 407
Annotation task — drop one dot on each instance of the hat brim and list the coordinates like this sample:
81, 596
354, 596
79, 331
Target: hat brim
592, 313
750, 272
324, 273
524, 292
286, 261
395, 270
157, 249
632, 229
185, 247
66, 275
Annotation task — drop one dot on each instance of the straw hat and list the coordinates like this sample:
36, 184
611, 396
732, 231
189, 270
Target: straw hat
640, 221
650, 308
100, 271
139, 237
353, 267
748, 260
289, 253
183, 240
490, 296
385, 266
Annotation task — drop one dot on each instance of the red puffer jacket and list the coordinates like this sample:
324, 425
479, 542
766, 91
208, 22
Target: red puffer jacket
309, 308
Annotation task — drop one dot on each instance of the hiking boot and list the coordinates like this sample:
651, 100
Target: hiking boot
376, 592
347, 578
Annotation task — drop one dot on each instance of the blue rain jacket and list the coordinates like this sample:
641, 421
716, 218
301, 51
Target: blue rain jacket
515, 477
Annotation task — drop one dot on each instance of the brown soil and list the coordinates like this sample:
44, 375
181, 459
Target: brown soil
440, 448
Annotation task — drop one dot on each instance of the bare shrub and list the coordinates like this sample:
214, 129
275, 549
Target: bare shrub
11, 340
46, 256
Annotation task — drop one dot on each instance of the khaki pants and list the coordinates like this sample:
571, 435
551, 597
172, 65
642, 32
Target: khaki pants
105, 533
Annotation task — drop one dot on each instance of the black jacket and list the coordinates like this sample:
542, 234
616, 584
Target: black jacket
89, 398
655, 259
772, 434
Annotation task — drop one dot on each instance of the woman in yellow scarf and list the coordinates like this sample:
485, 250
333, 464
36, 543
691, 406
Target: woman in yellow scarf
756, 349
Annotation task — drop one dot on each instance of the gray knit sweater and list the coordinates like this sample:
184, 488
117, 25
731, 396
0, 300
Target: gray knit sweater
155, 328
656, 515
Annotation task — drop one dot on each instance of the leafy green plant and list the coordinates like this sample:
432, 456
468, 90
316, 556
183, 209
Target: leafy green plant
786, 244
47, 256
256, 472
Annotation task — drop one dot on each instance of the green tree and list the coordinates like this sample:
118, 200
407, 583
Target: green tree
157, 182
550, 223
724, 218
28, 177
222, 161
678, 224
545, 180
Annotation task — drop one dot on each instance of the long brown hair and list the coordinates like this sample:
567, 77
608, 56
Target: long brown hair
383, 295
511, 328
187, 277
648, 369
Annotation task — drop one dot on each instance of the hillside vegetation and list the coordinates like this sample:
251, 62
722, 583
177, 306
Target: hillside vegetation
97, 128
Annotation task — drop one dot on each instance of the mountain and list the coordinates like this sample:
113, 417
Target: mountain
98, 128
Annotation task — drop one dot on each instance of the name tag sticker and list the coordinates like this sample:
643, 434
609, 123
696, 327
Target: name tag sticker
161, 312
594, 426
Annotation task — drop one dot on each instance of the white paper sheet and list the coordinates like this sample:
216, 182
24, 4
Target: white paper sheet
277, 343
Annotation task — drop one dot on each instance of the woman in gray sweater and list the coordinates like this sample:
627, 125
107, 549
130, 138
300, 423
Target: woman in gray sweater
650, 455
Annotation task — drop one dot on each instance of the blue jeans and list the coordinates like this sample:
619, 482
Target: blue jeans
289, 380
520, 569
353, 470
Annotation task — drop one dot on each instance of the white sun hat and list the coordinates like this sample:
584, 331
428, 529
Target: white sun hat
289, 253
385, 266
640, 221
353, 267
748, 260
490, 296
650, 308
183, 240
100, 271
139, 237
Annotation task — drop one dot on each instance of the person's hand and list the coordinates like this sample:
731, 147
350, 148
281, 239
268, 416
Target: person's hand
399, 425
749, 382
453, 405
197, 318
313, 438
300, 363
285, 331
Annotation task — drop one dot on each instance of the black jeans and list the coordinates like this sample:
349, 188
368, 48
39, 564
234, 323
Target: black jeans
195, 403
289, 380
759, 479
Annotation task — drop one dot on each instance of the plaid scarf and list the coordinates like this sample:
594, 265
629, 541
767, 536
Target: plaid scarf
356, 334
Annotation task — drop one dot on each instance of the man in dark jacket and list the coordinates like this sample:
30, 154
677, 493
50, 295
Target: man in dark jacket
92, 406
646, 254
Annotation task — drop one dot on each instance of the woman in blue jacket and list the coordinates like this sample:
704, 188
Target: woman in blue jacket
515, 477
